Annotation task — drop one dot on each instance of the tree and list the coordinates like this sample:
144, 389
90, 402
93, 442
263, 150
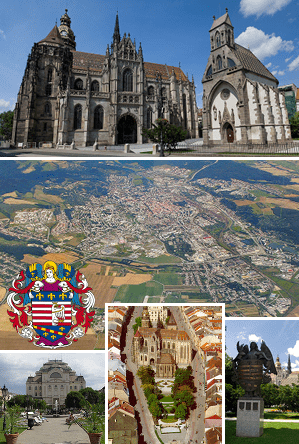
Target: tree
137, 324
6, 122
294, 122
232, 394
270, 394
165, 133
74, 400
146, 374
157, 409
181, 411
91, 395
152, 398
184, 397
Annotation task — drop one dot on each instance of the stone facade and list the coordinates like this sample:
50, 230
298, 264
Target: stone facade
53, 382
163, 349
67, 95
241, 101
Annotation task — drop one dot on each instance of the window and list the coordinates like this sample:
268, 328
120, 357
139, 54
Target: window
78, 84
152, 349
151, 91
48, 109
228, 37
219, 63
230, 63
45, 126
29, 387
163, 92
127, 80
218, 40
77, 117
95, 86
50, 74
149, 117
209, 71
48, 89
98, 118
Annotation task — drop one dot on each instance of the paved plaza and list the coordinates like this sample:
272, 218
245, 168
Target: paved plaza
55, 431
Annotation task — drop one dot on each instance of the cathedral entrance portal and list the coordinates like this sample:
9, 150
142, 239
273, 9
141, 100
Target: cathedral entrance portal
127, 130
228, 130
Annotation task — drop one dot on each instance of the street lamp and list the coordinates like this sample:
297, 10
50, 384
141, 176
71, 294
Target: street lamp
4, 395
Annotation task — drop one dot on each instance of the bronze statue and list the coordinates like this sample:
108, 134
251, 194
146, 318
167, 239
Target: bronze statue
252, 367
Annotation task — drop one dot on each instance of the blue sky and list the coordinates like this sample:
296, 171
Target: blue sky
16, 367
171, 31
280, 335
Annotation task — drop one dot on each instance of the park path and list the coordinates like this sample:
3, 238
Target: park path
55, 431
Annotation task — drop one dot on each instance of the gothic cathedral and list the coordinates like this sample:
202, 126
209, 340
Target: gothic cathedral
67, 95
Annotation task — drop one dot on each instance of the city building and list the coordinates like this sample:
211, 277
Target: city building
290, 94
241, 100
53, 381
67, 95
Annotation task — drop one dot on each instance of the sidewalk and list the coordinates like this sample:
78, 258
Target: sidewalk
55, 431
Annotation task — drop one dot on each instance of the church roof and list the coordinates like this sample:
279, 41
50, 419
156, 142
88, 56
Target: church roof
223, 19
82, 60
166, 358
171, 320
251, 63
53, 37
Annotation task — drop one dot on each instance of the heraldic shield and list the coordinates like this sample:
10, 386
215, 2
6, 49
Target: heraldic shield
51, 304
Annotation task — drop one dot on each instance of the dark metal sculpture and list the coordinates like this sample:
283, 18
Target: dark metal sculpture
252, 367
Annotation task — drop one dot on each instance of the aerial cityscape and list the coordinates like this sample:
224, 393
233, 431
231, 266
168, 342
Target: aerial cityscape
165, 373
173, 232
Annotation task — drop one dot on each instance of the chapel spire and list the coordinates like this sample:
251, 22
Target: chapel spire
116, 35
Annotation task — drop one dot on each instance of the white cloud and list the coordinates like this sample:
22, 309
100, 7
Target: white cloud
294, 64
274, 72
288, 59
269, 65
263, 45
294, 351
2, 34
260, 7
254, 338
4, 103
281, 73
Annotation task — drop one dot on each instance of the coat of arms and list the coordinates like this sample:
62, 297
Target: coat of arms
51, 304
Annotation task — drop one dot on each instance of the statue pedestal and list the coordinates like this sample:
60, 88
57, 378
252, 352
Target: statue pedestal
250, 417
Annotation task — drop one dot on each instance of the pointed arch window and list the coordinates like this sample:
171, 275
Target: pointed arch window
77, 117
78, 84
228, 37
209, 71
219, 63
218, 40
95, 86
151, 91
98, 118
48, 89
50, 75
48, 109
149, 117
128, 80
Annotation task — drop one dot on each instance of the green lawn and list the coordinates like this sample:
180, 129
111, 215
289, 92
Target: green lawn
274, 433
169, 278
136, 293
2, 438
167, 399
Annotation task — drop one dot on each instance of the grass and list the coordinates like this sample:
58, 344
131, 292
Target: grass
136, 293
164, 259
274, 433
169, 420
167, 399
17, 429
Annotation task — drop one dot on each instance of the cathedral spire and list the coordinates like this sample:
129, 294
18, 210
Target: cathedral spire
116, 35
289, 365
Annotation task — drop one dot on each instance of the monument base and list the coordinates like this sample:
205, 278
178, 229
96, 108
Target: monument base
250, 417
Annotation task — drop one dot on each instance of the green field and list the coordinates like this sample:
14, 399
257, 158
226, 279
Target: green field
164, 259
274, 433
137, 293
169, 278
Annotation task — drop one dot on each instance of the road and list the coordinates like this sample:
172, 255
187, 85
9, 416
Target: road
146, 420
196, 428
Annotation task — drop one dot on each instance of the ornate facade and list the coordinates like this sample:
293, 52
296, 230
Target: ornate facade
67, 95
53, 381
163, 349
241, 102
